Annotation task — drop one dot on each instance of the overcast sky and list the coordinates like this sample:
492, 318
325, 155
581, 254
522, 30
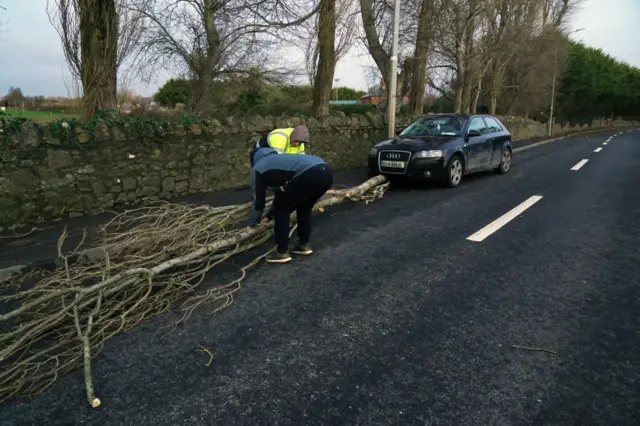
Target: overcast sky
32, 58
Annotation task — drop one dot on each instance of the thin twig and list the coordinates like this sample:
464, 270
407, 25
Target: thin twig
208, 352
34, 229
527, 348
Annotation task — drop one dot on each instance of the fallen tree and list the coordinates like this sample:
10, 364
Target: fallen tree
153, 257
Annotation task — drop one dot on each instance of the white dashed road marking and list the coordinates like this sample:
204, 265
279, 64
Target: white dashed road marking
503, 220
579, 165
597, 149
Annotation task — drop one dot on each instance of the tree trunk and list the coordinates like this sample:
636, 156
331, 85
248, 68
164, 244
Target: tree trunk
379, 55
493, 105
207, 64
460, 77
202, 93
496, 85
404, 82
326, 57
476, 98
467, 86
99, 53
419, 71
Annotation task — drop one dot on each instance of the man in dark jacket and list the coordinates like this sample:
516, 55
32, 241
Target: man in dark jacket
299, 181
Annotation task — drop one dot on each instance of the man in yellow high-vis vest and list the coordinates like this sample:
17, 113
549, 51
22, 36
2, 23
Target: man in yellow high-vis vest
285, 141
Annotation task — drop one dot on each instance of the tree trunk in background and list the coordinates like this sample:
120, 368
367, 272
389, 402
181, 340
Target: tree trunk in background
460, 76
326, 57
467, 86
496, 84
419, 65
99, 53
476, 97
209, 61
403, 84
379, 55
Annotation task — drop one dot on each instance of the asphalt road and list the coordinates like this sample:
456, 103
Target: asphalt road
399, 318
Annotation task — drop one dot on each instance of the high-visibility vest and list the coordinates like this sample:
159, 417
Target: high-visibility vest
280, 140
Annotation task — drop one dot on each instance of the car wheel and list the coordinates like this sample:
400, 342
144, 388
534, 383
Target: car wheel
505, 162
455, 171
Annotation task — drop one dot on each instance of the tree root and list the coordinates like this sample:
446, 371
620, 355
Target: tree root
153, 257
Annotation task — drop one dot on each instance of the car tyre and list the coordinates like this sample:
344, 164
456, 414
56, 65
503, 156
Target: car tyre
454, 172
505, 162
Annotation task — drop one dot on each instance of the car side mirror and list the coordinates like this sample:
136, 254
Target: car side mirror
400, 130
473, 133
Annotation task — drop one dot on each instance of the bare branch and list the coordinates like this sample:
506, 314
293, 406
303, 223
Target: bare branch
154, 257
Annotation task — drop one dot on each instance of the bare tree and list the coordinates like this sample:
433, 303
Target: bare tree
420, 56
415, 43
459, 49
528, 77
212, 39
326, 57
494, 44
556, 12
305, 36
97, 36
377, 18
515, 25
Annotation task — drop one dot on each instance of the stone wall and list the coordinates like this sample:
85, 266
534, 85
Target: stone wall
67, 169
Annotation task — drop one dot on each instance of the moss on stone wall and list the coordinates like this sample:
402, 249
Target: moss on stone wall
67, 168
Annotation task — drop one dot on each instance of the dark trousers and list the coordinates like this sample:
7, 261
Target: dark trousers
299, 195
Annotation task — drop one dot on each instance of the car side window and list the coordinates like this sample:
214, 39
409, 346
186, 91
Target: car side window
492, 125
478, 124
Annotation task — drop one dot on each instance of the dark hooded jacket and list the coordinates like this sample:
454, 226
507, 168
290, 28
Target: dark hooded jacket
271, 169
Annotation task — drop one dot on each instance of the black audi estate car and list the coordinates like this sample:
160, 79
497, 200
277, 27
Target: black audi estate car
444, 147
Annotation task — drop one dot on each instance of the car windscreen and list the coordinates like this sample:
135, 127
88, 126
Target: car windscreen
435, 126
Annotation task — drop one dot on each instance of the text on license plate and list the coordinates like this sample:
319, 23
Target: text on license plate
394, 164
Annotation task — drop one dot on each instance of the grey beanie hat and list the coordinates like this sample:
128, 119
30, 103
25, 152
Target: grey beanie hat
300, 133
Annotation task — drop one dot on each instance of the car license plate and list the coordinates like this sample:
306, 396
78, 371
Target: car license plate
393, 164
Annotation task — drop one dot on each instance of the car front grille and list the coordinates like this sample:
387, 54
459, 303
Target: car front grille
393, 161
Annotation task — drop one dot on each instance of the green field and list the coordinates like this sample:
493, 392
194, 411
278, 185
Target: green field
42, 116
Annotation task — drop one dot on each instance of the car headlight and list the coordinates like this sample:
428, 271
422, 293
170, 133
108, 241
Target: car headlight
373, 152
428, 154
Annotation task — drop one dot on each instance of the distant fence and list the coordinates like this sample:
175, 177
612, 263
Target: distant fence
345, 102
